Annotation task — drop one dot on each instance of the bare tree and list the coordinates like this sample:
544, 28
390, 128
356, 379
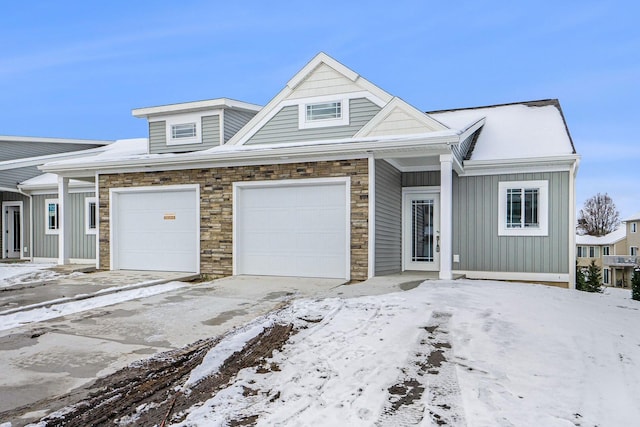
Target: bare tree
599, 216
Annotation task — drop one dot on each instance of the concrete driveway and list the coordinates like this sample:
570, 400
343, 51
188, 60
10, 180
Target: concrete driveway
51, 358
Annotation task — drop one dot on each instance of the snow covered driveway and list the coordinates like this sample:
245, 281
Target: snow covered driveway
447, 353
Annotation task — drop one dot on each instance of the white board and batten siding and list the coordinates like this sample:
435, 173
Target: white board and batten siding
292, 228
155, 228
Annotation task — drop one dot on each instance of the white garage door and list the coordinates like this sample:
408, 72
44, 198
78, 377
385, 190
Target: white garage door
292, 229
156, 229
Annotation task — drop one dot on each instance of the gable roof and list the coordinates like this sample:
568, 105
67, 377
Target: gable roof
522, 130
344, 80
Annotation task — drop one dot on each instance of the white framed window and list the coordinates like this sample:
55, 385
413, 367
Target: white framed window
633, 251
581, 251
593, 252
634, 227
90, 215
605, 276
523, 208
323, 111
605, 250
184, 129
51, 216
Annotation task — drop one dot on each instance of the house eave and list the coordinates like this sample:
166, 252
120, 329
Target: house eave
190, 107
532, 164
389, 147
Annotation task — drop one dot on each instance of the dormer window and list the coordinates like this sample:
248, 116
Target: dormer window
186, 130
323, 111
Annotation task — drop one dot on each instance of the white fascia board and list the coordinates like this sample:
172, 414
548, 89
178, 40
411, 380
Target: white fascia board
186, 107
39, 160
314, 63
502, 166
420, 144
471, 129
6, 138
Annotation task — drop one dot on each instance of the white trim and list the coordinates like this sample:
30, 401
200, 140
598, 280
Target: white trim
48, 202
371, 271
343, 120
532, 164
97, 196
113, 196
446, 216
182, 119
314, 63
5, 227
572, 225
300, 182
187, 107
71, 260
543, 208
54, 191
515, 276
87, 215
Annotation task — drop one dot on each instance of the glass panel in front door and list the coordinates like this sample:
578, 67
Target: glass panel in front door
423, 245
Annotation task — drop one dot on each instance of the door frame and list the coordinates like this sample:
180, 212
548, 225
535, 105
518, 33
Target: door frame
5, 227
407, 194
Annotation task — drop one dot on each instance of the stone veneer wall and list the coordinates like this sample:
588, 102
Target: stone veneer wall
216, 205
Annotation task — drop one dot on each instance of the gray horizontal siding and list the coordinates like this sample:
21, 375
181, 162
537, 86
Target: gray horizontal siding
388, 205
158, 137
233, 121
475, 227
46, 245
283, 127
6, 196
11, 150
10, 178
421, 179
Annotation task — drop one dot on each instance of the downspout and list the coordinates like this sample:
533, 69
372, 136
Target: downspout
30, 225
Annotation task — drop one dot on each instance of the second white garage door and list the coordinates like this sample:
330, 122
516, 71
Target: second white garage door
292, 228
155, 228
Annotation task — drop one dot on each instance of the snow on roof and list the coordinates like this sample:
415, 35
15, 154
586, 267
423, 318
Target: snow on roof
50, 180
121, 149
608, 239
513, 131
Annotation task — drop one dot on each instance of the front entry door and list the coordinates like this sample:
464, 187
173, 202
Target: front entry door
421, 236
12, 231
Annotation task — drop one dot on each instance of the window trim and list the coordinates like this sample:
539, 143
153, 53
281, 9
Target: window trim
606, 249
303, 123
606, 276
47, 203
543, 208
87, 215
184, 119
633, 249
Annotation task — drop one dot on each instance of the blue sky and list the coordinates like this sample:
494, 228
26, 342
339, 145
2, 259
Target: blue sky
76, 68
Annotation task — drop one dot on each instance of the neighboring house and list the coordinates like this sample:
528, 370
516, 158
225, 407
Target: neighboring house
19, 161
605, 251
335, 177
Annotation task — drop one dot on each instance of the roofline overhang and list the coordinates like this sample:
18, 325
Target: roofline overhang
8, 138
40, 160
190, 107
548, 163
401, 146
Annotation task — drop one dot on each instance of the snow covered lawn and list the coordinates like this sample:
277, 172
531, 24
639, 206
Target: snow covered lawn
20, 273
464, 352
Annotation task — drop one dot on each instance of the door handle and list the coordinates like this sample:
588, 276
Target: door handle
437, 241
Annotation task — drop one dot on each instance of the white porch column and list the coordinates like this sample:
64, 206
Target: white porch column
446, 216
64, 221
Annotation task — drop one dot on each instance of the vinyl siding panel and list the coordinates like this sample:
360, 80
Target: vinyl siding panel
324, 80
26, 212
11, 150
283, 127
46, 245
475, 227
421, 179
388, 209
234, 121
158, 137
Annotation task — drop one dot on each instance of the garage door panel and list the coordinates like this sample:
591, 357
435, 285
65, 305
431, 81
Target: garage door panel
156, 230
292, 230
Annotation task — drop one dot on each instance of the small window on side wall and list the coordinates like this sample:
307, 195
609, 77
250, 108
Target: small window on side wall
90, 215
52, 217
634, 227
523, 208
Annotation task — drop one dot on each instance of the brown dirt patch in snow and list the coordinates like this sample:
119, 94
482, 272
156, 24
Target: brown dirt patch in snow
150, 393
